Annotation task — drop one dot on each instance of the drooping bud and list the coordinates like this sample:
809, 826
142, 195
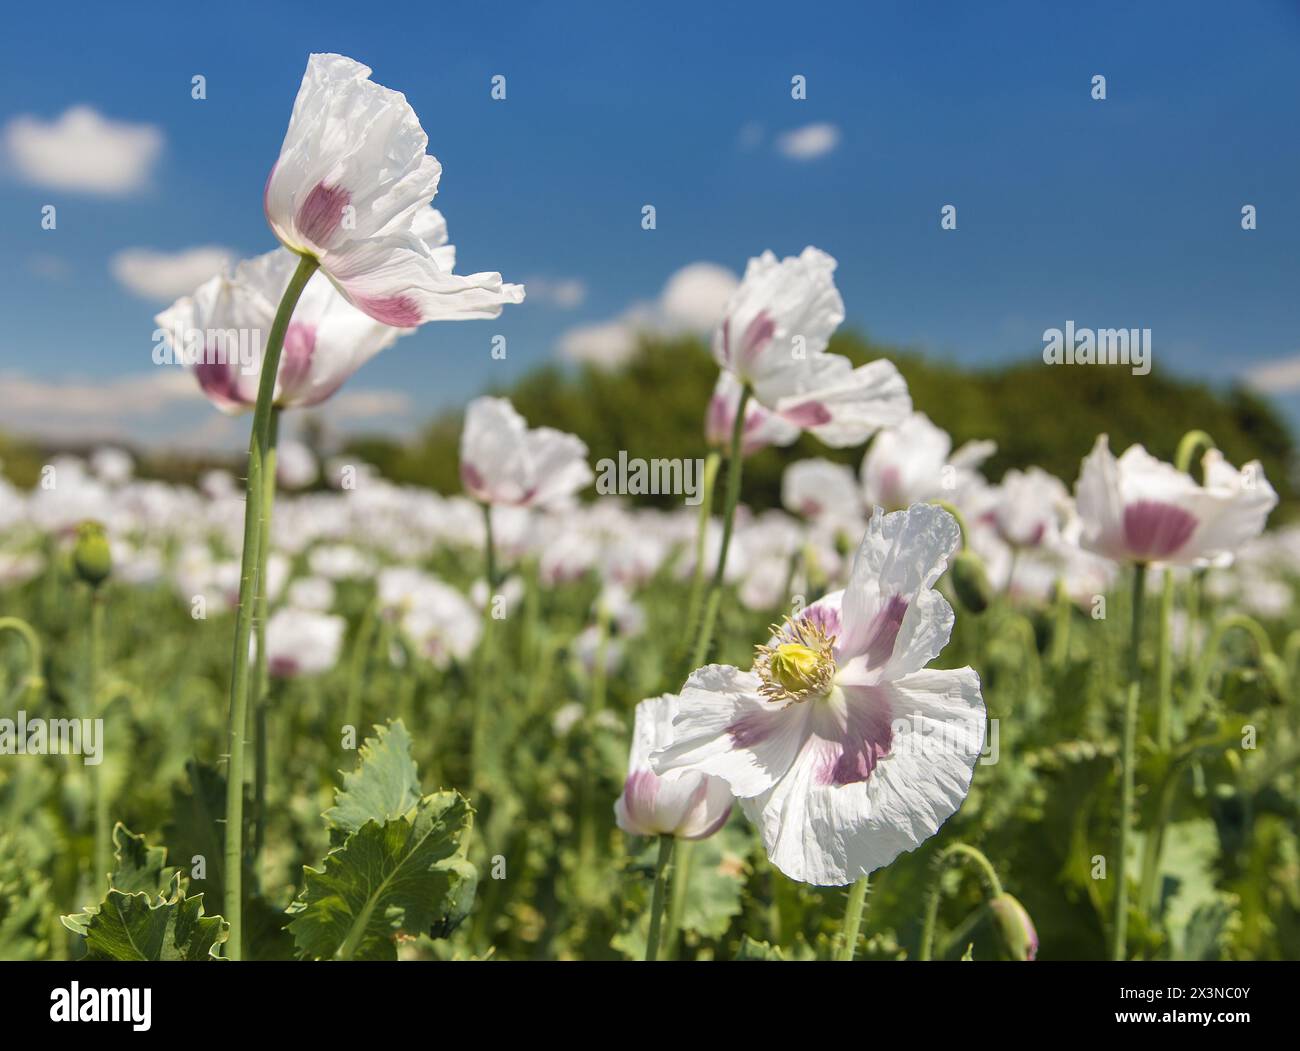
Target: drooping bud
90, 556
970, 581
1019, 940
795, 666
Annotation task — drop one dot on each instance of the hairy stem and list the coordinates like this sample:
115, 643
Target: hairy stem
254, 512
735, 467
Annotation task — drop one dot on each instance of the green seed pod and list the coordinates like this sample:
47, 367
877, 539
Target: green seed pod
971, 582
1014, 928
91, 557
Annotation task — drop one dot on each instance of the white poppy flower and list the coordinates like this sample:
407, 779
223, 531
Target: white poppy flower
352, 187
762, 426
302, 642
441, 623
325, 343
773, 337
1027, 507
1138, 509
503, 462
683, 803
313, 593
910, 463
819, 489
841, 745
295, 464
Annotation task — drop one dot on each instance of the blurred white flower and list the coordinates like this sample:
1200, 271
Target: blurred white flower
910, 464
503, 462
1138, 509
819, 489
312, 593
762, 426
1026, 507
302, 642
295, 465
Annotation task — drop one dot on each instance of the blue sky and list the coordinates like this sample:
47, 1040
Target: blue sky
1119, 213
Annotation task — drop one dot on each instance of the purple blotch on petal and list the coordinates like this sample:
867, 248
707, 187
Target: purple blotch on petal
883, 631
398, 311
1153, 529
866, 739
321, 213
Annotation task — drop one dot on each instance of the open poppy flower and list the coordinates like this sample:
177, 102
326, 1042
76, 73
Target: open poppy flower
841, 745
773, 337
351, 189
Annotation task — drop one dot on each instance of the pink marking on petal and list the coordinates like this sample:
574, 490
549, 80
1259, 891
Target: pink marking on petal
758, 335
282, 667
321, 213
218, 378
726, 340
1154, 529
865, 740
883, 631
809, 414
398, 311
640, 792
823, 616
752, 728
470, 478
295, 362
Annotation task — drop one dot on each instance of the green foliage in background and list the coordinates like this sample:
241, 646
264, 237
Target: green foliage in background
1038, 415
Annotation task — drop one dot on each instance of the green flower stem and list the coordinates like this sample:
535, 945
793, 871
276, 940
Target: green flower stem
258, 699
685, 850
258, 450
1205, 666
489, 552
1119, 928
707, 485
957, 854
663, 875
260, 601
1165, 665
735, 467
485, 658
103, 843
852, 921
1192, 442
35, 661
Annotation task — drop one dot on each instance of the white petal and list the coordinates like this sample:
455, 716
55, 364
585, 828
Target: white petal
726, 728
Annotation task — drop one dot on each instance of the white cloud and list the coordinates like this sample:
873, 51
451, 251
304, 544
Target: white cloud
809, 142
165, 276
563, 293
82, 150
369, 404
692, 300
609, 343
1275, 377
164, 406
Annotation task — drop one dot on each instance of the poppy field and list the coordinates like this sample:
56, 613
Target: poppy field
299, 710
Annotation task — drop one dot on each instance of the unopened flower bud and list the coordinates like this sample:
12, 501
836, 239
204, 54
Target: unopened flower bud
1015, 929
971, 581
91, 557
